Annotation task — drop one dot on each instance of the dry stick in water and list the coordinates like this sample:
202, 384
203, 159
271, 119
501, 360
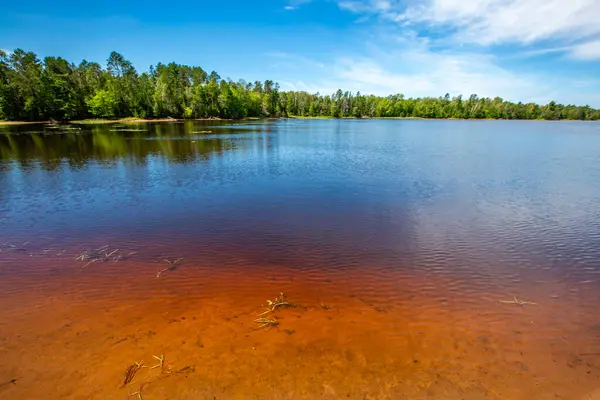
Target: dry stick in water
12, 247
173, 263
103, 254
270, 322
13, 381
138, 393
89, 262
119, 257
162, 362
280, 301
89, 253
131, 371
111, 253
517, 301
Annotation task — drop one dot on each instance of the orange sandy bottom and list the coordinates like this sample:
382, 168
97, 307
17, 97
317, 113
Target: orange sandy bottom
411, 336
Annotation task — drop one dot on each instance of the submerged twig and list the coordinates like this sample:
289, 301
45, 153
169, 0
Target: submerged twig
186, 369
517, 302
12, 247
111, 253
103, 254
279, 301
270, 322
162, 362
131, 371
271, 306
173, 265
138, 393
13, 381
89, 262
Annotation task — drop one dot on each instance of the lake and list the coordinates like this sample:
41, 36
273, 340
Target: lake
417, 260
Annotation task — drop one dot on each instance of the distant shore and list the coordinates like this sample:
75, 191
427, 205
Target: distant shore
94, 121
97, 121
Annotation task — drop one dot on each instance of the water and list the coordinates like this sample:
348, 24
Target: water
398, 242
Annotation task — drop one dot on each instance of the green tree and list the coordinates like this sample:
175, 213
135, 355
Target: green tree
104, 104
34, 90
59, 89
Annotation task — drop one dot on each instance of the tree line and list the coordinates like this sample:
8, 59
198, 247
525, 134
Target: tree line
53, 88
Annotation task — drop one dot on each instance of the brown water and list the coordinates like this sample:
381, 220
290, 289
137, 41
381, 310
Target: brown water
396, 241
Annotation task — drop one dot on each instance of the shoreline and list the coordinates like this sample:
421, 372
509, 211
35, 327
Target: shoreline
137, 120
152, 120
118, 121
446, 119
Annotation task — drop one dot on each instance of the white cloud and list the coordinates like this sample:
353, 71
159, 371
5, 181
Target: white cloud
415, 70
420, 64
352, 6
425, 73
370, 6
295, 4
514, 21
586, 51
539, 52
489, 22
410, 65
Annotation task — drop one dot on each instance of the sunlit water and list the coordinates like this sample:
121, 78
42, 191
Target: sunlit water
400, 243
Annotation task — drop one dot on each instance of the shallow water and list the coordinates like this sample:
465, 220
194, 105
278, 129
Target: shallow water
396, 240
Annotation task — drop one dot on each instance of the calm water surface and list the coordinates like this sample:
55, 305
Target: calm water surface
400, 243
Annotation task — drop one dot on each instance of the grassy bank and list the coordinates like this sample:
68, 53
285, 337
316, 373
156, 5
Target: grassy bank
131, 120
94, 121
22, 122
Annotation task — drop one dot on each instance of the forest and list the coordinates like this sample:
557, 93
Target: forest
53, 88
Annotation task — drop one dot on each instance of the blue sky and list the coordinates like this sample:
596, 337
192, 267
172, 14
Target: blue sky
521, 50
